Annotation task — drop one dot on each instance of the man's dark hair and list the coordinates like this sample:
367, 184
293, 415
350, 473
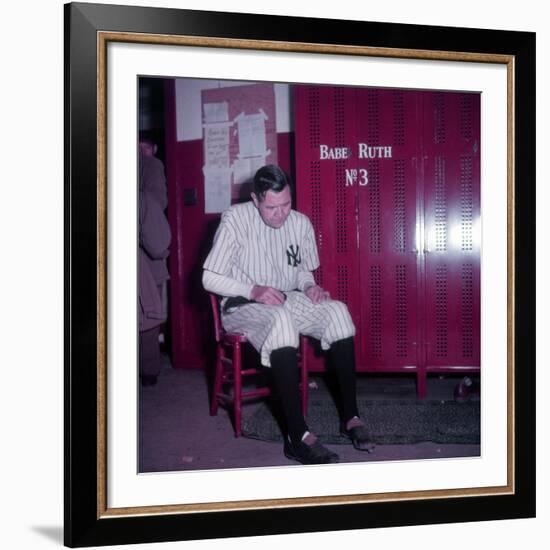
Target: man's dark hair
146, 137
270, 178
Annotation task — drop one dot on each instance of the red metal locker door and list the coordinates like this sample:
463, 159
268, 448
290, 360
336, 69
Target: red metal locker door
387, 230
452, 246
325, 116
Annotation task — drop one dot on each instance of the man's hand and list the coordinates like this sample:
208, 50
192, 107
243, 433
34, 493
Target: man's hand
267, 295
316, 294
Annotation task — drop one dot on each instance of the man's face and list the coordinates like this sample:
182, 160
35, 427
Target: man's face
275, 207
147, 149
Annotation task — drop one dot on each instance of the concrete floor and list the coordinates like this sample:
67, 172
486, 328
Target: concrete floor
177, 433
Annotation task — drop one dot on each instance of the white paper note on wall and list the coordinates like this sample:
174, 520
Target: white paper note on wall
216, 169
215, 112
216, 145
251, 128
217, 189
241, 171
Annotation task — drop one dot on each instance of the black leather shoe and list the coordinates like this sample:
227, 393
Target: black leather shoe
148, 380
310, 454
359, 438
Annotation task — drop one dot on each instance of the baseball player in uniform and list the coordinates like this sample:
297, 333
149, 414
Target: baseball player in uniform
261, 262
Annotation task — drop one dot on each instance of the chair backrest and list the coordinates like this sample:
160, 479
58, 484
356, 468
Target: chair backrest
214, 303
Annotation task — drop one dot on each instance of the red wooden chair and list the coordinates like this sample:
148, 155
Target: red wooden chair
229, 371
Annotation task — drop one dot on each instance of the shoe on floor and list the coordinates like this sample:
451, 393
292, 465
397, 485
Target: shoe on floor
310, 454
148, 379
360, 438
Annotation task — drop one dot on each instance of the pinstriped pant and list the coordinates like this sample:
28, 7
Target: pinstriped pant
272, 327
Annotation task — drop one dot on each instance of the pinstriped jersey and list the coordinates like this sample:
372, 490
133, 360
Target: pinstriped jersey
250, 252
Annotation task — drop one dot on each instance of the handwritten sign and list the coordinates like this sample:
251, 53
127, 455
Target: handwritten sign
216, 145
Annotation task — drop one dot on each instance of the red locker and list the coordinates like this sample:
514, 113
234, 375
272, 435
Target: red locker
452, 244
388, 290
390, 180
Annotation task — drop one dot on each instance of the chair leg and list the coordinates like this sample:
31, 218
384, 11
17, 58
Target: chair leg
237, 388
217, 384
304, 377
304, 393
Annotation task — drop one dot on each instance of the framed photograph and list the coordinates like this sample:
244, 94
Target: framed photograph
423, 134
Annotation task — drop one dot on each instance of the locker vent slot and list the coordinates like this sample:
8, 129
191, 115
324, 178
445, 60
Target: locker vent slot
375, 312
339, 126
440, 206
467, 310
439, 118
466, 203
399, 206
341, 208
441, 323
398, 118
316, 203
342, 283
373, 119
319, 276
401, 309
466, 116
374, 207
314, 118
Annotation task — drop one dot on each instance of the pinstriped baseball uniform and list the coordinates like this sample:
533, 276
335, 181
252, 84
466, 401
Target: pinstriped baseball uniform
248, 252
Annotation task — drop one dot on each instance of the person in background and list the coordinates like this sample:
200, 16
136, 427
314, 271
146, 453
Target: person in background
154, 242
151, 170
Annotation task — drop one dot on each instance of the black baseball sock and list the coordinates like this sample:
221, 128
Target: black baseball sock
342, 358
286, 380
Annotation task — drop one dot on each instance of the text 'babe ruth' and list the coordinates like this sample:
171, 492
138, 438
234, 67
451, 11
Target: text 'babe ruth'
261, 262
